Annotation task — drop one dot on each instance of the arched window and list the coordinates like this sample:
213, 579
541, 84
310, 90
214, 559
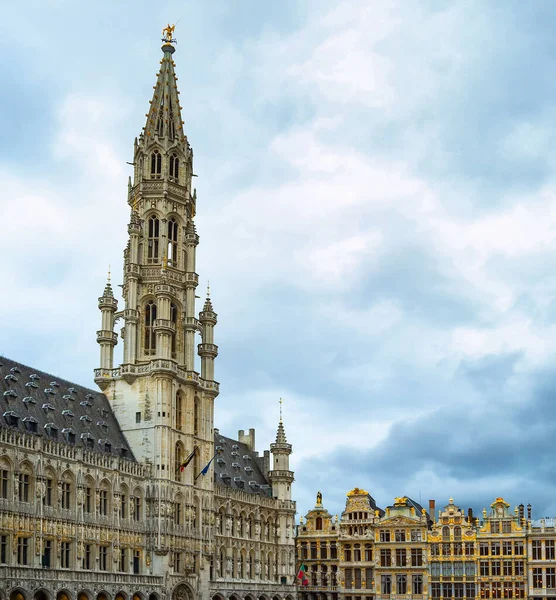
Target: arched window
178, 460
154, 233
318, 524
174, 319
174, 167
172, 242
150, 335
446, 533
196, 416
156, 165
457, 532
179, 411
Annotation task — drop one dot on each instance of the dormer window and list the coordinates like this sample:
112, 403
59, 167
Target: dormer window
86, 420
31, 384
68, 397
11, 418
219, 448
46, 407
88, 440
31, 424
254, 485
174, 167
156, 164
29, 400
10, 394
69, 434
51, 430
10, 377
221, 462
15, 370
226, 478
248, 469
86, 404
34, 377
239, 482
106, 446
246, 457
235, 453
89, 397
54, 384
68, 415
104, 412
103, 425
124, 452
50, 391
222, 442
71, 390
235, 447
235, 465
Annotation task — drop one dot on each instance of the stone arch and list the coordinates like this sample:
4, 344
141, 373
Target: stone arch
120, 596
84, 595
18, 594
41, 594
288, 597
234, 597
263, 597
137, 596
249, 597
63, 595
182, 592
218, 597
103, 596
153, 596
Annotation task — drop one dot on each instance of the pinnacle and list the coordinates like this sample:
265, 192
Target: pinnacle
281, 434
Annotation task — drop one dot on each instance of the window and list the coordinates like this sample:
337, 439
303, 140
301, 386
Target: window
435, 550
435, 590
23, 487
22, 551
549, 550
174, 167
318, 524
123, 506
400, 535
415, 535
357, 577
179, 411
458, 569
506, 548
123, 560
347, 553
495, 568
88, 507
497, 589
457, 533
447, 569
103, 558
136, 561
550, 577
495, 526
537, 578
384, 535
174, 319
368, 579
4, 478
447, 590
150, 335
401, 557
470, 570
445, 533
178, 461
536, 550
136, 508
138, 417
349, 578
172, 242
103, 502
435, 569
88, 558
66, 495
48, 491
333, 550
483, 568
323, 551
385, 558
357, 553
417, 584
469, 548
401, 584
368, 553
386, 584
153, 239
177, 513
304, 554
458, 590
196, 416
446, 549
483, 548
458, 549
519, 568
470, 590
495, 548
156, 165
506, 527
519, 590
3, 549
518, 548
65, 548
507, 566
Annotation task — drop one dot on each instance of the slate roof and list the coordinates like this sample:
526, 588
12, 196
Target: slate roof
237, 467
32, 399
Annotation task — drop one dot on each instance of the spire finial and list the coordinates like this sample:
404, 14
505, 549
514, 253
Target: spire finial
281, 402
109, 278
208, 290
168, 34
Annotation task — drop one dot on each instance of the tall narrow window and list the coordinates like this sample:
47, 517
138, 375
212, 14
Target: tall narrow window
66, 495
172, 242
150, 336
196, 417
174, 319
153, 241
156, 164
179, 411
178, 460
4, 478
174, 167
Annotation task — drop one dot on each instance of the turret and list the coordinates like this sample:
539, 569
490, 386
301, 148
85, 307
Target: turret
281, 477
106, 337
208, 350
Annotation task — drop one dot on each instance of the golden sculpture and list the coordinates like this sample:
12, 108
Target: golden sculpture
168, 33
319, 498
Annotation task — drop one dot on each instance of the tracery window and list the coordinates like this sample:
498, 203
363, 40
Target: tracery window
178, 460
153, 240
150, 335
179, 411
174, 319
156, 164
174, 167
196, 416
172, 250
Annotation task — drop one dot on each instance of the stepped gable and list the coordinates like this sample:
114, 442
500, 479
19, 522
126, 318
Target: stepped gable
42, 404
247, 469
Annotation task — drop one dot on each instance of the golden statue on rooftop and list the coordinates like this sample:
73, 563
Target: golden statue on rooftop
168, 33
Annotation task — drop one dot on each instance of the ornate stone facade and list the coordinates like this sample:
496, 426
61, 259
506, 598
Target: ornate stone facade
133, 494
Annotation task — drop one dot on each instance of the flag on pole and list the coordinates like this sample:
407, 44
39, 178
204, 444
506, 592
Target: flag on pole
206, 468
302, 575
188, 459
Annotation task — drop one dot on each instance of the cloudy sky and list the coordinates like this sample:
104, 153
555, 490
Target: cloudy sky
377, 212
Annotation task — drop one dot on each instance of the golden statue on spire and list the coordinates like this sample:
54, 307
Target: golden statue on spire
168, 33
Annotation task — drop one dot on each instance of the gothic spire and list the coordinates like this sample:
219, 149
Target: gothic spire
281, 434
108, 292
164, 117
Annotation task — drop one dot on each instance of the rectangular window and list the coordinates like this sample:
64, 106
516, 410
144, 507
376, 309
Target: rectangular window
103, 507
3, 549
549, 550
385, 558
347, 554
401, 557
65, 553
458, 549
537, 578
435, 590
470, 570
136, 562
519, 590
447, 590
495, 568
349, 578
384, 535
469, 548
124, 561
368, 553
357, 577
417, 584
23, 488
495, 548
458, 569
497, 589
314, 551
323, 551
88, 558
506, 548
103, 558
446, 549
136, 508
66, 495
88, 508
369, 579
47, 498
447, 569
435, 569
400, 535
495, 527
506, 527
519, 568
416, 557
483, 548
416, 535
458, 590
4, 483
22, 551
386, 584
507, 568
470, 590
483, 568
536, 550
138, 417
435, 550
356, 555
518, 548
333, 550
304, 554
550, 577
177, 562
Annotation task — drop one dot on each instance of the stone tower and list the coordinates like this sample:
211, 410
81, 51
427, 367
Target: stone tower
162, 402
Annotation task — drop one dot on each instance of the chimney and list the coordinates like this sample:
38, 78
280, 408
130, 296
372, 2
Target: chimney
529, 512
470, 516
432, 506
521, 512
